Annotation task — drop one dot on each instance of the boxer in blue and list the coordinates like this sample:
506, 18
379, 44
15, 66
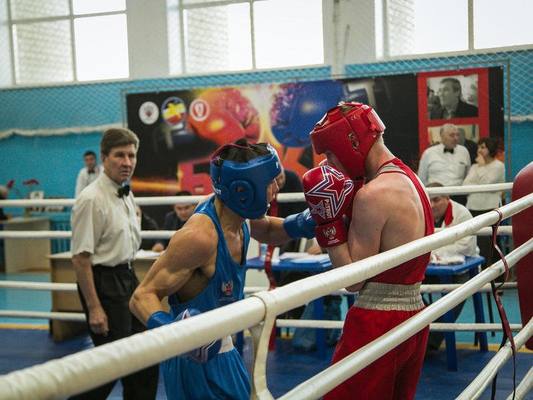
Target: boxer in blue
203, 267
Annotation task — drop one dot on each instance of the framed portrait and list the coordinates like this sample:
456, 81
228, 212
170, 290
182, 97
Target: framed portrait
460, 97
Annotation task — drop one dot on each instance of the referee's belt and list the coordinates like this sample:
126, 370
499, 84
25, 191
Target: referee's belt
118, 267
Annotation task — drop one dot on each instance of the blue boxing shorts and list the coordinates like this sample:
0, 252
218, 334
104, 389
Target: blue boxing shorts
222, 377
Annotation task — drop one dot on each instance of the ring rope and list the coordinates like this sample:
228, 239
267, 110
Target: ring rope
484, 378
60, 316
91, 368
282, 197
524, 387
486, 231
328, 379
436, 326
280, 323
71, 287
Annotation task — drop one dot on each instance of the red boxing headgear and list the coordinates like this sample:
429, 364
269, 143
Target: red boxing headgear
348, 130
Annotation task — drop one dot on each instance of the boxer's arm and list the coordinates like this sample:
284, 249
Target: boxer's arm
269, 230
369, 215
84, 276
190, 248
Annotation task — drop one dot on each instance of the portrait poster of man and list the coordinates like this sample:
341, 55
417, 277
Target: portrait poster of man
471, 98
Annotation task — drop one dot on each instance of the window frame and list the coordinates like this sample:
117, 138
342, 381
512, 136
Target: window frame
70, 17
180, 7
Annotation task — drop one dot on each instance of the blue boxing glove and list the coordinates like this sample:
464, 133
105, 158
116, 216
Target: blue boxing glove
300, 225
159, 318
201, 354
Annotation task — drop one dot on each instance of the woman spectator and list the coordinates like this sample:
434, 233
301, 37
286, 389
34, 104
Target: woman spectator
486, 170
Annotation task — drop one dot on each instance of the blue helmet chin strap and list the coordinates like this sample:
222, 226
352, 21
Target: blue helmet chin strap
242, 186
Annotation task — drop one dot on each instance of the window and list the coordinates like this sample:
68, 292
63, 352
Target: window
421, 26
498, 24
68, 40
242, 35
425, 27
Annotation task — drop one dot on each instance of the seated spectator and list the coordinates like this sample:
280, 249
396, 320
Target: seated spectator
88, 173
447, 213
486, 170
148, 224
176, 218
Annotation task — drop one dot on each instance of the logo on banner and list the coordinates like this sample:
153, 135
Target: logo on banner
174, 112
148, 112
199, 110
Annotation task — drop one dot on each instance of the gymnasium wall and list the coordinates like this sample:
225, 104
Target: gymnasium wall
45, 130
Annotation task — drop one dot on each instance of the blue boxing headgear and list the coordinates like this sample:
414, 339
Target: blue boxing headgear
242, 186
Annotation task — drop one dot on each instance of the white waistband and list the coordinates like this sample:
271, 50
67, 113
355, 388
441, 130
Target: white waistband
390, 297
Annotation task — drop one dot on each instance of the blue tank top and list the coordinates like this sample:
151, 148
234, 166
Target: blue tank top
227, 283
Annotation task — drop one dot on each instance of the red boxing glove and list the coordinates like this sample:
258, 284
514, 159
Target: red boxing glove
329, 195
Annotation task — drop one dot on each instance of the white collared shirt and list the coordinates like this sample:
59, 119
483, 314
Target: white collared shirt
466, 246
104, 224
85, 178
445, 168
493, 172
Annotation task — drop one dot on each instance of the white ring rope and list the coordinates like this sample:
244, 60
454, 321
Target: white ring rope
91, 368
71, 287
524, 387
332, 376
282, 197
54, 287
280, 323
61, 316
502, 231
437, 326
480, 383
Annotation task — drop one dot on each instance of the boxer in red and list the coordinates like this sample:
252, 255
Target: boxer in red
366, 201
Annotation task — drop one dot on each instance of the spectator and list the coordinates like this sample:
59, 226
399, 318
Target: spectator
105, 238
470, 145
452, 104
447, 213
89, 173
3, 195
148, 224
175, 219
486, 170
447, 162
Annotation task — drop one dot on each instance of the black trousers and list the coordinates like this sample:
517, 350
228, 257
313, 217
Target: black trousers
114, 287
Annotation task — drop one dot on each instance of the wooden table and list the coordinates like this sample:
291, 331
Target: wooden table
26, 254
62, 271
